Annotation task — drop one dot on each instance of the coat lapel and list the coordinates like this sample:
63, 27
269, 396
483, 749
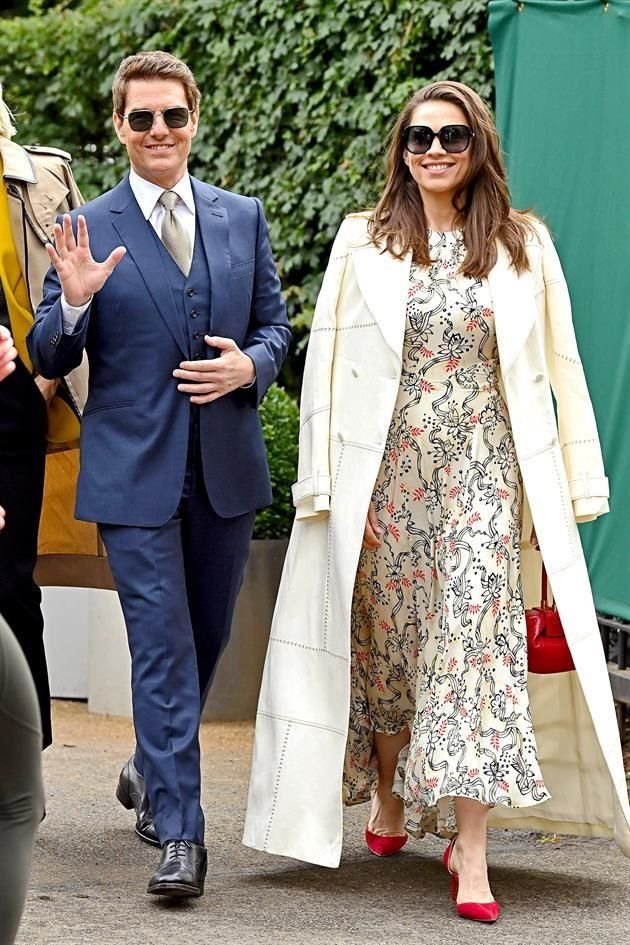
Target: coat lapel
132, 228
514, 303
383, 281
212, 225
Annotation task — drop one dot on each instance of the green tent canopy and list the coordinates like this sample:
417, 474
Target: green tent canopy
563, 109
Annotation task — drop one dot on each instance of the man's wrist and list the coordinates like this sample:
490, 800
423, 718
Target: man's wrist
252, 375
78, 303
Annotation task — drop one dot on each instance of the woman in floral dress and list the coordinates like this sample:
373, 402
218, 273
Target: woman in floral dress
396, 671
440, 727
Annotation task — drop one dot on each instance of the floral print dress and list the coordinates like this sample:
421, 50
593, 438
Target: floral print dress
438, 624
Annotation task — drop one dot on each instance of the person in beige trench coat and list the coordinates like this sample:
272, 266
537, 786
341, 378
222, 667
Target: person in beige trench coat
38, 416
350, 387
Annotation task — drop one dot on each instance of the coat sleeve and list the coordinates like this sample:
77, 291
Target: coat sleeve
74, 198
269, 335
312, 491
579, 440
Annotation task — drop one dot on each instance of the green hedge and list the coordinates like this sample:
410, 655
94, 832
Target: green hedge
298, 98
280, 419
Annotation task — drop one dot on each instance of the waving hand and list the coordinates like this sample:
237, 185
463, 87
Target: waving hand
80, 275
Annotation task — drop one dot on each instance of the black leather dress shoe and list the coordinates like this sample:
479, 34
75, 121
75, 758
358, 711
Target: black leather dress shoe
132, 794
182, 870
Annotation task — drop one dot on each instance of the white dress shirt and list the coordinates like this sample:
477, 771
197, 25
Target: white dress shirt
147, 196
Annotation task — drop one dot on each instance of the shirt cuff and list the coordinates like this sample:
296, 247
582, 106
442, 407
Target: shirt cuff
72, 313
247, 386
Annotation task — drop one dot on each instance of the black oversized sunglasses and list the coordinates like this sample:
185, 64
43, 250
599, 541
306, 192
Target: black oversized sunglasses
454, 138
141, 119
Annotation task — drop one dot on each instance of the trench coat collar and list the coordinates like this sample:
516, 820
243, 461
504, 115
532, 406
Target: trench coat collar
16, 163
383, 281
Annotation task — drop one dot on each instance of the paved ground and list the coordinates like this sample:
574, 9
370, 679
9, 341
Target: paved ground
90, 872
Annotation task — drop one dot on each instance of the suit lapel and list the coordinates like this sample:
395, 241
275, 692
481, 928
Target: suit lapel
212, 225
132, 228
384, 283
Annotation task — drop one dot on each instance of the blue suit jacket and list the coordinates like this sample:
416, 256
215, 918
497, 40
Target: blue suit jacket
135, 426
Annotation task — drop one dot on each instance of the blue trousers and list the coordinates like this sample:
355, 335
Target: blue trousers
177, 585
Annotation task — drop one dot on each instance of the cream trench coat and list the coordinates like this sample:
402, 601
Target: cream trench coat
350, 387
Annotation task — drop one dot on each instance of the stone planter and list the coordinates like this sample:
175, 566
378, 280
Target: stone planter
234, 692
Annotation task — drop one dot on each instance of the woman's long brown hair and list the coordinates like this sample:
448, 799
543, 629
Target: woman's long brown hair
398, 223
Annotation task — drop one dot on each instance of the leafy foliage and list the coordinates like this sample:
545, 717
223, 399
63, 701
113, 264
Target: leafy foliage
298, 98
280, 422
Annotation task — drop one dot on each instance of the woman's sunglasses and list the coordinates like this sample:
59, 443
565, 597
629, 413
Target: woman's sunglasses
142, 118
454, 138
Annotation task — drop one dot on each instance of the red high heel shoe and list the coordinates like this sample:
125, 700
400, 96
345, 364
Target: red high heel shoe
381, 845
476, 911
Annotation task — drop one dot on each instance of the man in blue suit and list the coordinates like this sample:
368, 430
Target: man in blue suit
185, 330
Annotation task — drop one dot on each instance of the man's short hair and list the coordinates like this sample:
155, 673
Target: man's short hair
154, 64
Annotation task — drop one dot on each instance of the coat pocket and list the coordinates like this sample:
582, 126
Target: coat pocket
362, 403
96, 408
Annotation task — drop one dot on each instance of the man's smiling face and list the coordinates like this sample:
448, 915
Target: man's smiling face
159, 155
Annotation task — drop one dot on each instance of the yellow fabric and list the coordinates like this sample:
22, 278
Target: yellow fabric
13, 282
60, 533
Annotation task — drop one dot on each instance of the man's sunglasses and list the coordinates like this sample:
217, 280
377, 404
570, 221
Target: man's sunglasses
142, 118
454, 138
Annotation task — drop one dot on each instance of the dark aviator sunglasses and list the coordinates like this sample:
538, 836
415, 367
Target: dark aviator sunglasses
454, 138
141, 119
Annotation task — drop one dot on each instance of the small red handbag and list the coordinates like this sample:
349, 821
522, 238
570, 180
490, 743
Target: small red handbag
547, 647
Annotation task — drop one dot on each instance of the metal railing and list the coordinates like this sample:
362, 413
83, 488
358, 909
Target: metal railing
615, 635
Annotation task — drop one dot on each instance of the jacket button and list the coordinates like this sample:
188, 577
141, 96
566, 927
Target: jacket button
538, 378
194, 313
355, 373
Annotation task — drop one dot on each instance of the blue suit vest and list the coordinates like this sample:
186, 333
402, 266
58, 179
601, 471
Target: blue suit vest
192, 294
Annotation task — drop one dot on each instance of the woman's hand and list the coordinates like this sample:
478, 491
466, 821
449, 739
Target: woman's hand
1, 518
80, 275
8, 353
372, 532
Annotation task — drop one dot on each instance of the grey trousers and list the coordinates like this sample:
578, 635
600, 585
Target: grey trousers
21, 787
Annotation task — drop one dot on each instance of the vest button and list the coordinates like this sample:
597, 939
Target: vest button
198, 356
190, 293
194, 313
197, 334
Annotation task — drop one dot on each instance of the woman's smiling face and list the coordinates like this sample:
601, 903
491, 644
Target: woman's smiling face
437, 171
